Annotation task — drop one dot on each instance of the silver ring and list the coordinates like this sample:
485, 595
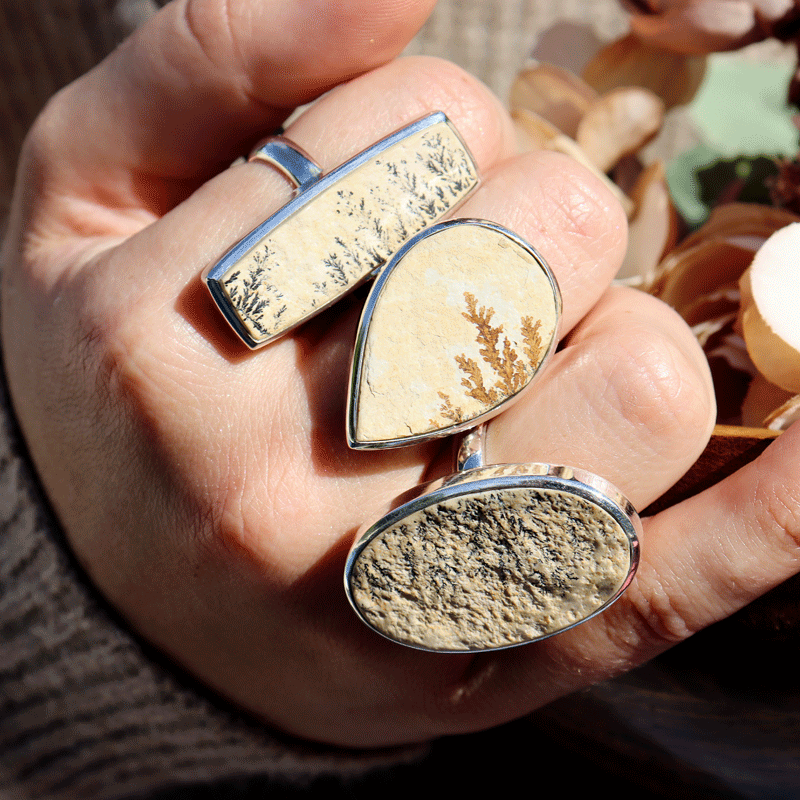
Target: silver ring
443, 343
493, 557
340, 228
470, 450
289, 159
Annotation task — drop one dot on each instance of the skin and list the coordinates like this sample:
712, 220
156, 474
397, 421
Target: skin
208, 490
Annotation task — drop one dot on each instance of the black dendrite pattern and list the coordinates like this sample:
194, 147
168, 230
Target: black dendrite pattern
374, 225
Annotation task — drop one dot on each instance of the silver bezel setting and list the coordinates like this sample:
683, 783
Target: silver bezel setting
356, 367
309, 188
541, 477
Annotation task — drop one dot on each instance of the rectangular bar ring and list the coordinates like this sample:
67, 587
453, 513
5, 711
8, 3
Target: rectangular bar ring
340, 229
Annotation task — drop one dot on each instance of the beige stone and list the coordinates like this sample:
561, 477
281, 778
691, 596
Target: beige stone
337, 240
461, 324
491, 569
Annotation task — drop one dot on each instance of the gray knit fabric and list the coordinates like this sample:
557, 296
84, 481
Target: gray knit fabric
492, 38
85, 710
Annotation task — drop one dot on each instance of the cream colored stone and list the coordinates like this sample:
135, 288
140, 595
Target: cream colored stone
449, 339
491, 569
335, 241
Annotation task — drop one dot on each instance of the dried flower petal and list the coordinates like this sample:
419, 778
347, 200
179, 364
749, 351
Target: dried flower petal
721, 302
761, 402
533, 131
745, 224
653, 227
731, 368
619, 123
557, 95
785, 415
770, 299
690, 273
629, 61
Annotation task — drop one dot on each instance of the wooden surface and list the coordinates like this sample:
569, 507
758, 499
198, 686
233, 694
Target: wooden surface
728, 449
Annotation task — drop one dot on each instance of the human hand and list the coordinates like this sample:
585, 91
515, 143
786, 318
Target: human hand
208, 490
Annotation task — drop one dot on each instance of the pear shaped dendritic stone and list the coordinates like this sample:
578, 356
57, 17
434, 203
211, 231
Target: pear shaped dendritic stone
456, 325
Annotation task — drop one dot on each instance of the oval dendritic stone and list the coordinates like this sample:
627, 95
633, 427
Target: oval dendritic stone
491, 569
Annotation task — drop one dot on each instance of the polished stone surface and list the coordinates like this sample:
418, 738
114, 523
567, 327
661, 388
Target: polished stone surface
461, 325
334, 242
491, 569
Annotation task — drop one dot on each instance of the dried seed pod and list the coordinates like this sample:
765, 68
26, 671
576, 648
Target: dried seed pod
770, 299
731, 368
557, 95
785, 415
533, 131
722, 302
762, 402
653, 227
686, 275
746, 224
743, 227
619, 123
674, 77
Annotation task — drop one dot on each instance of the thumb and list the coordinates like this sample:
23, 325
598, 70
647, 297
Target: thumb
199, 83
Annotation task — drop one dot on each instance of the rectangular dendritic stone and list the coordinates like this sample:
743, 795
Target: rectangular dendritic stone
343, 229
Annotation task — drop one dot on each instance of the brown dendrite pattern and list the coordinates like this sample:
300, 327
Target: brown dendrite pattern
509, 370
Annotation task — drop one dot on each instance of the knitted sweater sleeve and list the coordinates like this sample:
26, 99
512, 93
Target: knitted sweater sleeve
86, 710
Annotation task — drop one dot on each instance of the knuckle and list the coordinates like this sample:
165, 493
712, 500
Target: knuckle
777, 511
210, 27
117, 359
101, 349
587, 211
658, 389
245, 529
647, 620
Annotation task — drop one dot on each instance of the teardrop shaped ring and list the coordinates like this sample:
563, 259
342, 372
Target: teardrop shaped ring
460, 321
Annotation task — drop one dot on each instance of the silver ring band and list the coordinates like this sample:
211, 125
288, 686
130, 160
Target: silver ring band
289, 159
470, 449
340, 227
